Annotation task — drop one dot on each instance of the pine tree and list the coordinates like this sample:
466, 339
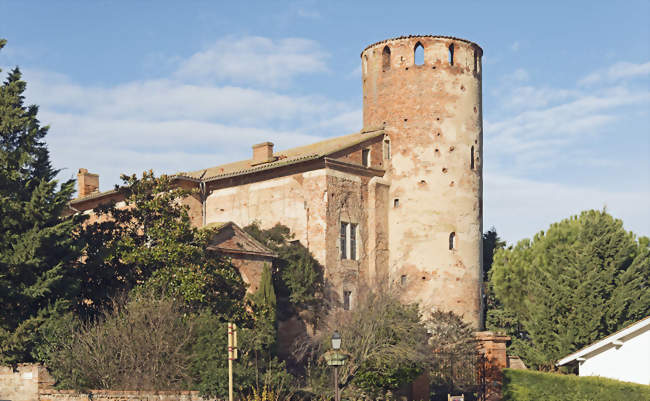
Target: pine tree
36, 243
581, 280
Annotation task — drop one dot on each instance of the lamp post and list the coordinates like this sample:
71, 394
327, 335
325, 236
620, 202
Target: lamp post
336, 346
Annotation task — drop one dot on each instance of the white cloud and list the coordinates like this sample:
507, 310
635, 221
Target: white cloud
617, 72
520, 75
178, 124
519, 208
515, 46
254, 59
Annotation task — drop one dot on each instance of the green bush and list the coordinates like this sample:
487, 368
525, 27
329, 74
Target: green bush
522, 385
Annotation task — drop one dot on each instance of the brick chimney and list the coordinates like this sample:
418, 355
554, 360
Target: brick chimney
87, 183
262, 153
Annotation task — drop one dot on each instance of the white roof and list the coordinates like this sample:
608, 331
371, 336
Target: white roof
615, 339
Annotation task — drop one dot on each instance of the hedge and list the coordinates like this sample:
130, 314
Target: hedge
524, 385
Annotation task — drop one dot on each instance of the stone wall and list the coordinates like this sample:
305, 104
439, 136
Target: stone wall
113, 395
32, 382
24, 382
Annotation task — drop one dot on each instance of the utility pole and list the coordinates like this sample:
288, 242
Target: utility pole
232, 355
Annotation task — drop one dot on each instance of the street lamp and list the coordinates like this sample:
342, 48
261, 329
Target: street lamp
336, 341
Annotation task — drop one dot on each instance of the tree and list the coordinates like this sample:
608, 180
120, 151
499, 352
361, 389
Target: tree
149, 242
491, 243
140, 344
299, 278
387, 343
37, 247
581, 280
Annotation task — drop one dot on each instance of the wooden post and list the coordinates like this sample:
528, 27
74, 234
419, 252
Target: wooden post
232, 355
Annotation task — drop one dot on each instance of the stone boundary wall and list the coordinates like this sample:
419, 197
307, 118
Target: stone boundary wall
32, 382
119, 395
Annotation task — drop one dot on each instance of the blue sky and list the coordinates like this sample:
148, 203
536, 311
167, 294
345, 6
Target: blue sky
179, 86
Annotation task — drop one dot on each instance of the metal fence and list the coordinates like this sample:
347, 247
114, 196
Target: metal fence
457, 374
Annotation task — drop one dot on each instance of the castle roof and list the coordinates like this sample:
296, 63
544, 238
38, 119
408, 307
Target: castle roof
285, 157
280, 159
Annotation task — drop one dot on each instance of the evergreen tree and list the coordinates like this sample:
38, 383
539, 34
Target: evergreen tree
581, 280
36, 243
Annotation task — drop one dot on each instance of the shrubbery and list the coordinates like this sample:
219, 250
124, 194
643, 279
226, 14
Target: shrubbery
521, 385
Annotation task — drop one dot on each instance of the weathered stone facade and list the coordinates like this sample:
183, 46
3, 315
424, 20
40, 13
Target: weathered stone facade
432, 114
398, 204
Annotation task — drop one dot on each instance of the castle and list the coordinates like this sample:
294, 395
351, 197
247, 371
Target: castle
398, 203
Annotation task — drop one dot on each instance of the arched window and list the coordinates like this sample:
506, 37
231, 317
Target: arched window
451, 54
471, 160
365, 64
385, 58
418, 54
452, 241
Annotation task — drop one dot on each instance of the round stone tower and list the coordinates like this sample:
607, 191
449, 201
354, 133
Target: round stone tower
431, 110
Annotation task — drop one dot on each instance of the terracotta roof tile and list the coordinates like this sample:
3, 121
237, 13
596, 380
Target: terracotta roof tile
285, 157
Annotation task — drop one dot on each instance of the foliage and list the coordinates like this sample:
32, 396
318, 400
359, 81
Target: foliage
581, 280
150, 242
209, 368
141, 344
300, 276
491, 243
37, 283
387, 344
522, 385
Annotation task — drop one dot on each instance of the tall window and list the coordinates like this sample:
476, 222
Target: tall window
365, 157
386, 148
353, 241
348, 240
452, 241
346, 299
385, 58
344, 240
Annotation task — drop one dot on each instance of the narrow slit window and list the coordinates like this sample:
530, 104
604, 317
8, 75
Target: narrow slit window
365, 64
385, 58
451, 54
396, 202
346, 299
418, 54
403, 280
452, 241
471, 160
387, 149
353, 241
344, 240
365, 157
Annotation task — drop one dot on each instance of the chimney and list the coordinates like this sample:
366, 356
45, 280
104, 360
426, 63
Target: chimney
87, 183
262, 153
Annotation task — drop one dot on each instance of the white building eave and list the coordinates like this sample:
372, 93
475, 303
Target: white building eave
617, 339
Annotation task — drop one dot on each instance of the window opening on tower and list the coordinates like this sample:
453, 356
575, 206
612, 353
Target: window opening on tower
418, 54
471, 160
452, 241
385, 58
451, 54
386, 149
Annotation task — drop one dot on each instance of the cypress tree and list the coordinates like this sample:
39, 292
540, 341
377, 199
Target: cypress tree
36, 243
